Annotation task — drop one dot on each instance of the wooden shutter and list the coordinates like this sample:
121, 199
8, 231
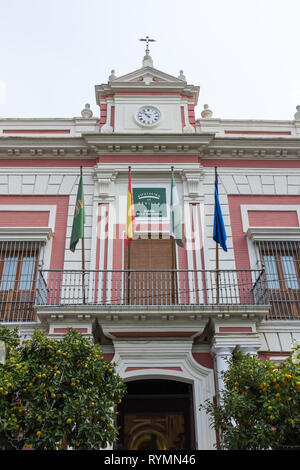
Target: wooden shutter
150, 254
150, 279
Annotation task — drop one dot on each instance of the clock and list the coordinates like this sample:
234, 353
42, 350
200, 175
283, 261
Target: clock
148, 116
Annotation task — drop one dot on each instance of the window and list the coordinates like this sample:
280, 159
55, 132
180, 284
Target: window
281, 260
18, 272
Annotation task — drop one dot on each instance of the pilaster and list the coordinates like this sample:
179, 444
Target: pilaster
228, 335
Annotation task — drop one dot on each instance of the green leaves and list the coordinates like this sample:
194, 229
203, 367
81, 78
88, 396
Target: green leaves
260, 404
67, 391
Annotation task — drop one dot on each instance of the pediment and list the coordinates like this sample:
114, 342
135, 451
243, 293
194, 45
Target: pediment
147, 75
146, 78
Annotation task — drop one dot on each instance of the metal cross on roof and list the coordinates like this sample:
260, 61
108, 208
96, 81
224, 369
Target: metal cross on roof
147, 40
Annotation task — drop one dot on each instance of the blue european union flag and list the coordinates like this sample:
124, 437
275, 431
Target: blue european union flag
219, 235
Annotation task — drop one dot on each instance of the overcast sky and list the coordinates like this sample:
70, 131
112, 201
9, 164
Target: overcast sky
244, 54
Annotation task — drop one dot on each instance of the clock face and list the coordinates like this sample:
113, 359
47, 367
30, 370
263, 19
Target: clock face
148, 116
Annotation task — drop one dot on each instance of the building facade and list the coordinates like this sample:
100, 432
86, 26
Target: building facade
164, 314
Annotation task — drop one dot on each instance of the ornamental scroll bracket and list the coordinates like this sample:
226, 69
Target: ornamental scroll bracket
105, 181
193, 180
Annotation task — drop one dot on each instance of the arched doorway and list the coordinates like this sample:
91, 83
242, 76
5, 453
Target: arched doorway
156, 415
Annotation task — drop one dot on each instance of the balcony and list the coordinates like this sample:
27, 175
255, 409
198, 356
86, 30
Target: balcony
185, 289
151, 287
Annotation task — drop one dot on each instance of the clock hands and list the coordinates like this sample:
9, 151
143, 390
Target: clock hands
148, 116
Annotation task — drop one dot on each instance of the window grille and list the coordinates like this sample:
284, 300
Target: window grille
19, 262
281, 261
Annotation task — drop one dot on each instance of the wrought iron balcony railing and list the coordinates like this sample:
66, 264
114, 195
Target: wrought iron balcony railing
151, 287
19, 300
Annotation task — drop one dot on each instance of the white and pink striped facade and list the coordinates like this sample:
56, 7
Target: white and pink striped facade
259, 185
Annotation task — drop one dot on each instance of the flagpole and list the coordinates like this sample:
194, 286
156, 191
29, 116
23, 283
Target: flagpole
217, 252
82, 255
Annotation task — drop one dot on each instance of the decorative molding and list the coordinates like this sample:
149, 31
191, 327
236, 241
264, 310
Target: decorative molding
125, 143
189, 129
31, 234
273, 233
193, 179
172, 360
245, 208
105, 179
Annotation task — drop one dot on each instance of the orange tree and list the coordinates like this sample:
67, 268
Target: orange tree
56, 393
260, 405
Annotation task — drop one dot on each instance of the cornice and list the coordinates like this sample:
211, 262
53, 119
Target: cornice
267, 142
47, 120
147, 143
278, 326
176, 314
276, 148
206, 145
38, 234
37, 147
274, 233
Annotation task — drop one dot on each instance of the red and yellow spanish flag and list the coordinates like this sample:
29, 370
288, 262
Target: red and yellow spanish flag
130, 216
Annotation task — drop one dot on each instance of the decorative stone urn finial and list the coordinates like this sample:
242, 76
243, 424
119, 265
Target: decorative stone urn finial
112, 75
206, 113
297, 114
87, 113
181, 76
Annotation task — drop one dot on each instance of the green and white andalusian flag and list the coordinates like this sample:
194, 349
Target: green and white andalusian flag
78, 221
176, 214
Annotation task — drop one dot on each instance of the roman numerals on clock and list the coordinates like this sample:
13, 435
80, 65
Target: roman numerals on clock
148, 116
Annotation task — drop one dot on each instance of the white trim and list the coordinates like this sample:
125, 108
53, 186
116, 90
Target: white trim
188, 214
49, 170
273, 233
31, 234
277, 233
51, 223
279, 326
32, 208
155, 359
266, 207
111, 224
102, 242
197, 229
94, 238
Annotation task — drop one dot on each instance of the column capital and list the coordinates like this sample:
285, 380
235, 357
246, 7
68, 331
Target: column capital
251, 349
222, 349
